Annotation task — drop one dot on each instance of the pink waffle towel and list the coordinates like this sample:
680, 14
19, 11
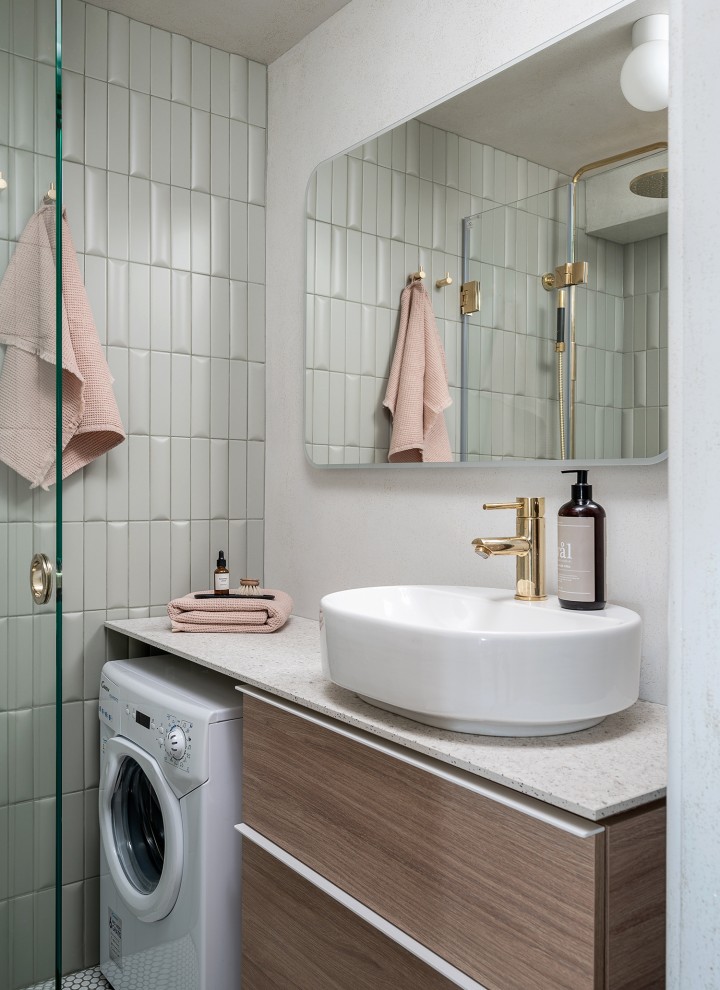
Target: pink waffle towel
232, 615
91, 423
417, 390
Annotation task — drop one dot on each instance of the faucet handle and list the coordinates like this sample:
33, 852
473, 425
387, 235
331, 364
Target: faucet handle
531, 508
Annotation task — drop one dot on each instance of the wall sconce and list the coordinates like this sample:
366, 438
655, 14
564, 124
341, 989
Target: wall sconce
644, 79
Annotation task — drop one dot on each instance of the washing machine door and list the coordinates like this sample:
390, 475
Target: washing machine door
141, 830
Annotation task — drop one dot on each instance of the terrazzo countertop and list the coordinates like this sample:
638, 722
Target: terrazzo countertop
617, 765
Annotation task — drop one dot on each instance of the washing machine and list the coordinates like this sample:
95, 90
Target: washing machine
170, 796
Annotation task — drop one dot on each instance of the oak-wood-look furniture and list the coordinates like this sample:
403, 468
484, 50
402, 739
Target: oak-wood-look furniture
364, 861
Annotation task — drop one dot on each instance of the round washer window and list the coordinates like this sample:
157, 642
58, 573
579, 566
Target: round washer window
138, 827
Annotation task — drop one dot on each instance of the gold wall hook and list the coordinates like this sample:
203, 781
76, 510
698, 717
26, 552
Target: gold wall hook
51, 193
416, 276
446, 280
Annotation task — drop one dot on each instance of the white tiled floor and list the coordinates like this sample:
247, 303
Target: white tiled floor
88, 979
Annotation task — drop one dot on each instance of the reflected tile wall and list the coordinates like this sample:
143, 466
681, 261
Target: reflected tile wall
398, 202
645, 347
379, 213
164, 167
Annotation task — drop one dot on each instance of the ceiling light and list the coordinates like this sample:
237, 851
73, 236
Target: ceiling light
644, 79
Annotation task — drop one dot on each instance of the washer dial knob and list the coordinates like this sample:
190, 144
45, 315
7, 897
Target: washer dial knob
175, 743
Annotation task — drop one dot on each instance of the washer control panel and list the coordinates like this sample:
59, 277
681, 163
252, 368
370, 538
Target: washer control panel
173, 735
168, 709
175, 741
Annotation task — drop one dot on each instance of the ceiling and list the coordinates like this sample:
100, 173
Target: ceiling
563, 106
258, 29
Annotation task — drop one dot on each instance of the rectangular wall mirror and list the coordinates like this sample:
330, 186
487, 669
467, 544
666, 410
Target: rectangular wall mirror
500, 186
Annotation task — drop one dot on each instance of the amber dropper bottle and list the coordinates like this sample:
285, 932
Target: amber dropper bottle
222, 576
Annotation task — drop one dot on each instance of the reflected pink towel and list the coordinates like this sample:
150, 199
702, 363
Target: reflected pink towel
91, 423
211, 615
417, 390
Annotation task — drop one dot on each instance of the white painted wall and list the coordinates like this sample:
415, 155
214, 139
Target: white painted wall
694, 686
367, 68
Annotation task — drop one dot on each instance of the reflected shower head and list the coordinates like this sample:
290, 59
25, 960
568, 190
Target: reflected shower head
653, 184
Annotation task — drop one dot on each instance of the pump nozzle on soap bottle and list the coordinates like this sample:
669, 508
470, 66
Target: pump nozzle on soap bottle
581, 548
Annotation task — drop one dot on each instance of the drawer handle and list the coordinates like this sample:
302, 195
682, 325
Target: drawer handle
532, 807
411, 945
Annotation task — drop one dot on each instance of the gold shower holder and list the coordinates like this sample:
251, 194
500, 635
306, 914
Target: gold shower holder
571, 273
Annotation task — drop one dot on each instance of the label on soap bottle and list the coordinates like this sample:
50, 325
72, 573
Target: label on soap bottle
222, 582
576, 558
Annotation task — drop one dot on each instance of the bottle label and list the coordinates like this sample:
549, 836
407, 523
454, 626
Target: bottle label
222, 582
576, 559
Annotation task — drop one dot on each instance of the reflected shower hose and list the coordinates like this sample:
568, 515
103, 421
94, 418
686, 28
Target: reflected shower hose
559, 352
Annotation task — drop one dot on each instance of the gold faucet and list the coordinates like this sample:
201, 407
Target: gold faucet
528, 545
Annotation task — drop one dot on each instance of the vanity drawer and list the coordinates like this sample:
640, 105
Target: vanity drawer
513, 900
324, 945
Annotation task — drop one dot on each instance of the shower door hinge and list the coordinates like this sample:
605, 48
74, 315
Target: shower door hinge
469, 298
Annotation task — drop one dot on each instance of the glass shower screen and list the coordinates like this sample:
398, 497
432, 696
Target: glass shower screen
30, 516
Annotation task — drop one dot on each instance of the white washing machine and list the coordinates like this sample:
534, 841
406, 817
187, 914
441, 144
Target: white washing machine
170, 796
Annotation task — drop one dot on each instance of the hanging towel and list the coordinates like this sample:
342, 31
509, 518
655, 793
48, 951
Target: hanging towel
417, 390
241, 615
91, 423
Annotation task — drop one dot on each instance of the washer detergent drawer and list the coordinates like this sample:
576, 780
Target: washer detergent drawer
505, 888
141, 829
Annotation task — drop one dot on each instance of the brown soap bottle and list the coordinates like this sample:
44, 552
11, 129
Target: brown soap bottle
581, 549
222, 576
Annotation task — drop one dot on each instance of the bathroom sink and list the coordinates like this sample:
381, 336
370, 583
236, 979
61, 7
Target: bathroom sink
476, 660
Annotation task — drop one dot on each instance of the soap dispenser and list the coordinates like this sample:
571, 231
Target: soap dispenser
581, 549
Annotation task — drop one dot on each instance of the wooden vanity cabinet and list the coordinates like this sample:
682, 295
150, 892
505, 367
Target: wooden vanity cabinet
635, 899
503, 888
296, 936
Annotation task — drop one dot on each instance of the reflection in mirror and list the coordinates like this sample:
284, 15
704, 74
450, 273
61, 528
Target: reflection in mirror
542, 371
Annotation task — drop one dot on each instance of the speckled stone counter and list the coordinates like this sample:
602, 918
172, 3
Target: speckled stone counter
617, 765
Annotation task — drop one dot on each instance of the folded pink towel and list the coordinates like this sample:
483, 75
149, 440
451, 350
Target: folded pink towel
91, 423
417, 390
220, 614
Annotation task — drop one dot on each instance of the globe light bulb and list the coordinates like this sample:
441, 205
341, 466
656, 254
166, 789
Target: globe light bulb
645, 75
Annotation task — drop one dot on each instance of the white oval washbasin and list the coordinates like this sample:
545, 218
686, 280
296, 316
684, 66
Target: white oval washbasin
476, 660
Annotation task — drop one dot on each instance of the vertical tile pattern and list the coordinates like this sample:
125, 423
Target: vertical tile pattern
645, 348
165, 188
377, 214
398, 202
